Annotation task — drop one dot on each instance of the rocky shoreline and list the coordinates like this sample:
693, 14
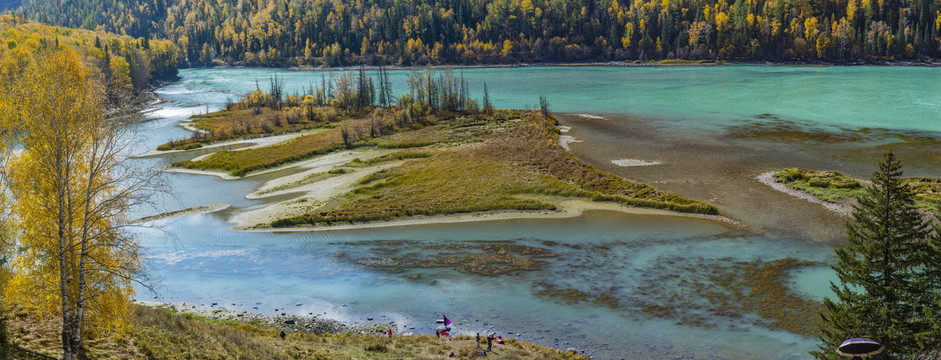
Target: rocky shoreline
311, 324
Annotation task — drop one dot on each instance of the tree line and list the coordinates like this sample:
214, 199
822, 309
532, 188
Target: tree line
417, 32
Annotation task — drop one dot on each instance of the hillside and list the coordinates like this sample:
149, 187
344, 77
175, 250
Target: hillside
417, 32
127, 65
168, 333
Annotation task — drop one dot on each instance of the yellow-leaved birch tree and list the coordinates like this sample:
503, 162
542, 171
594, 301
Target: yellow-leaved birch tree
68, 191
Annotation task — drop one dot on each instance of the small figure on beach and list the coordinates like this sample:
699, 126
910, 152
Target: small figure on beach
390, 333
478, 340
282, 334
489, 342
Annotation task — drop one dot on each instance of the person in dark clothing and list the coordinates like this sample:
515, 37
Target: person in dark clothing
478, 340
282, 334
489, 342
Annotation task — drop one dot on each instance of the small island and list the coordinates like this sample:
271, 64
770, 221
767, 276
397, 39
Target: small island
433, 155
838, 192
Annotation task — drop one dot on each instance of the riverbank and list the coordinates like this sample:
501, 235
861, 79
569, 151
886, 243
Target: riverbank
168, 331
633, 63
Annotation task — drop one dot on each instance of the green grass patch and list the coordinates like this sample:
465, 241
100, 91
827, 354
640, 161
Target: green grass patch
833, 186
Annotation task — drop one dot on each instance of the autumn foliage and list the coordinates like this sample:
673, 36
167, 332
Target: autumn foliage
415, 32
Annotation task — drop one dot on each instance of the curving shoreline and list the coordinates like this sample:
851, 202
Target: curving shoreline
568, 208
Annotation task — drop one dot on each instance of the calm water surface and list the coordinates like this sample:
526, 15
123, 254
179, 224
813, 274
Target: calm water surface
713, 129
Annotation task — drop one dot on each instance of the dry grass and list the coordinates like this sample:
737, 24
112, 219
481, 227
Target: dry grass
161, 334
511, 161
350, 129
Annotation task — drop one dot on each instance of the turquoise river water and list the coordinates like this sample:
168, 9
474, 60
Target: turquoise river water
709, 131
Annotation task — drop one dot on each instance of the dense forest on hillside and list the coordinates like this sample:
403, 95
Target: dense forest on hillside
126, 65
416, 32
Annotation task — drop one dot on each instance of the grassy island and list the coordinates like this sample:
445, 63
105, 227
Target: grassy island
835, 187
441, 155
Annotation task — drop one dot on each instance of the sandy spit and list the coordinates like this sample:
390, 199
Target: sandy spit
255, 142
335, 158
565, 140
635, 162
569, 208
185, 212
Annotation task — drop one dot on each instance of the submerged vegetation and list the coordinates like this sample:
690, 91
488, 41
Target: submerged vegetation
754, 292
833, 186
484, 258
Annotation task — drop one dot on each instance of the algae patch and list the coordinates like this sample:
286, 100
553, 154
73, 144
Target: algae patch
478, 258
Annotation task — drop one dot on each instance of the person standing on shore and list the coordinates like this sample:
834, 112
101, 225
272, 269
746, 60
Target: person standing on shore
489, 342
478, 340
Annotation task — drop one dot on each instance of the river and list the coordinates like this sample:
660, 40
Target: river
709, 131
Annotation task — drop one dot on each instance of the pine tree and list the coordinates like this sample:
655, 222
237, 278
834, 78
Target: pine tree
487, 107
885, 289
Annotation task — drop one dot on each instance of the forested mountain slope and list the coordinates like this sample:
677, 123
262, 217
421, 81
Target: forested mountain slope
126, 65
415, 32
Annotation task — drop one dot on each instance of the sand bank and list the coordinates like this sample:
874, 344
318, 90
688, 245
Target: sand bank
185, 212
565, 140
635, 162
567, 208
332, 159
253, 143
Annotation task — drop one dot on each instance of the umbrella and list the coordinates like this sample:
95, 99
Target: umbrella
859, 347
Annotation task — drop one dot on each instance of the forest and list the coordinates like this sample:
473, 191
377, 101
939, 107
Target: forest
418, 32
126, 65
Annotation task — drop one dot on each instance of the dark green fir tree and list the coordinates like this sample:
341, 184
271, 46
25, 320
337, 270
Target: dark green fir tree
887, 288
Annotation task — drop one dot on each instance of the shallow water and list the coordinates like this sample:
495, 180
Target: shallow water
703, 125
